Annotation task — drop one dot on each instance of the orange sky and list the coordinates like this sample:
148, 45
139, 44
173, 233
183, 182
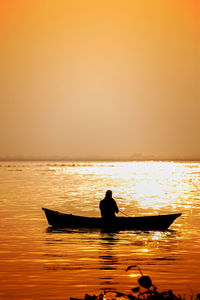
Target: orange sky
105, 78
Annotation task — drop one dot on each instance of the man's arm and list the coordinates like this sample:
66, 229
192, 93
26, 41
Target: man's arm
116, 207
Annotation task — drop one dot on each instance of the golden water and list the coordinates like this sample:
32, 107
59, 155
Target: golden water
38, 263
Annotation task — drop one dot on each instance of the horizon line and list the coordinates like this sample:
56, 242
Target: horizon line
92, 159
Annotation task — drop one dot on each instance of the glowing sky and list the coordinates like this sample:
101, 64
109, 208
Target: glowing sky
108, 78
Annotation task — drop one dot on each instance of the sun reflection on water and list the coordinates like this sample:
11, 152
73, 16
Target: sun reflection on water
134, 275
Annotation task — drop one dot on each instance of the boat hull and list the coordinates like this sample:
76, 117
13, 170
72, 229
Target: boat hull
158, 222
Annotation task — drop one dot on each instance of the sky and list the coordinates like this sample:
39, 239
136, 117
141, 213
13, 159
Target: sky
90, 78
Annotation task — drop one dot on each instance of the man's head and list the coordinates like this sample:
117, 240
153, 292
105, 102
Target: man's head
108, 194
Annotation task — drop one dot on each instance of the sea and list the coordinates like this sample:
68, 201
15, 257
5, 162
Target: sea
38, 262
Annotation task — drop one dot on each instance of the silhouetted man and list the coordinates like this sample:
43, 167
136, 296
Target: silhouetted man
108, 208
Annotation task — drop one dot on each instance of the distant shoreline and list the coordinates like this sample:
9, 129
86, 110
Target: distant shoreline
95, 159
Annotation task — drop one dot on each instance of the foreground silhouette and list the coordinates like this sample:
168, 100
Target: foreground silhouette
157, 222
145, 291
108, 208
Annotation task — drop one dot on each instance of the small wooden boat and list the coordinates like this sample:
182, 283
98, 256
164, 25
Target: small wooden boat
158, 222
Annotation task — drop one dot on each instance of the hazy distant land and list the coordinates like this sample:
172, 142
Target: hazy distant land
135, 157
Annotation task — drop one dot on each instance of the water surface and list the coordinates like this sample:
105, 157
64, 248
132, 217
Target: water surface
40, 263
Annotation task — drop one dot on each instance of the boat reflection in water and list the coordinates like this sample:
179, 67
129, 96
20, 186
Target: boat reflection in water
98, 259
108, 259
